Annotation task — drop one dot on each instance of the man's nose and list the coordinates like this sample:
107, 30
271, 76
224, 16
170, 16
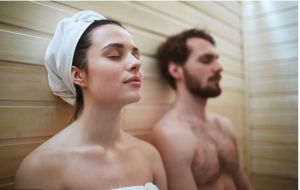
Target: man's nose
218, 67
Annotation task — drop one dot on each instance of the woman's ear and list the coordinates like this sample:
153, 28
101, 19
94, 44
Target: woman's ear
78, 77
175, 70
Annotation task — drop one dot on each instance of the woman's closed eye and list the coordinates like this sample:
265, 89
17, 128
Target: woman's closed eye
114, 57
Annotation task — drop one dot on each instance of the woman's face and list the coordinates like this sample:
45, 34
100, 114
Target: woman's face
114, 72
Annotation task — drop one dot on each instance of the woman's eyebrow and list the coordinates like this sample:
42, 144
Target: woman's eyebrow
117, 45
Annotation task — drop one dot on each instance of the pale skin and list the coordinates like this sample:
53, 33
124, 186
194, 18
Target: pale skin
198, 148
93, 152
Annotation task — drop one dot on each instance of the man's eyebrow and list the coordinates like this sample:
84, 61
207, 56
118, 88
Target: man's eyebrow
117, 45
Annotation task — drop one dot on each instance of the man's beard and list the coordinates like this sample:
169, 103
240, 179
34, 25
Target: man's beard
194, 86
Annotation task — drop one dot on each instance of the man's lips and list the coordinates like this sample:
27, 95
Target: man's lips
134, 81
215, 78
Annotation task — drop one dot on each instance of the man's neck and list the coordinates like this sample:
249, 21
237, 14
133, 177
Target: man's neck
190, 105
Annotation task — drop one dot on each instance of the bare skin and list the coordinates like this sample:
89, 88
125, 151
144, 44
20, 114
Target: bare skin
198, 148
93, 152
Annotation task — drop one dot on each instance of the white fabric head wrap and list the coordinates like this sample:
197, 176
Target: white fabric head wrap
60, 52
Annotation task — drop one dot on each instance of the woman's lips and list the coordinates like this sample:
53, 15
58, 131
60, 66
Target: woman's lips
134, 81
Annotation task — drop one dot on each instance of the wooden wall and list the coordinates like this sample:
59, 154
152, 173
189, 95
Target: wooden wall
29, 112
271, 46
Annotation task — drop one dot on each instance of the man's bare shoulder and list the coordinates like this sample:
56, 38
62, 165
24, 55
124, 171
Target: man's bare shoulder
225, 123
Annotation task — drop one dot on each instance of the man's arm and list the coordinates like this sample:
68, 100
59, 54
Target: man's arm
240, 179
177, 153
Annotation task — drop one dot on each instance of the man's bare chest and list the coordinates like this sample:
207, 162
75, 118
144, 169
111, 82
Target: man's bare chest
215, 153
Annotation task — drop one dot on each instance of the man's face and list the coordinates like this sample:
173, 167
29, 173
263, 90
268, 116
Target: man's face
202, 69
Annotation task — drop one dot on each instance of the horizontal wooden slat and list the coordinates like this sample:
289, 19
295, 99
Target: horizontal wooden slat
274, 102
266, 7
274, 53
231, 65
140, 117
156, 91
17, 122
6, 182
274, 136
233, 6
286, 153
11, 157
22, 48
127, 12
25, 84
277, 168
229, 99
273, 20
195, 18
211, 8
261, 182
275, 86
232, 82
31, 15
288, 68
280, 35
273, 119
229, 49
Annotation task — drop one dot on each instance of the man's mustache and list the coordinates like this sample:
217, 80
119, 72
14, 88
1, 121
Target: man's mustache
215, 77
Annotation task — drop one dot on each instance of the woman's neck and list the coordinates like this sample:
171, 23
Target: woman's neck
100, 124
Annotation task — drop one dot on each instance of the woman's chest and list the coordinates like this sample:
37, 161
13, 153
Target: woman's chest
107, 173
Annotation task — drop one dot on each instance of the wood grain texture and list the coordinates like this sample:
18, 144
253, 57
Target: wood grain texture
261, 182
272, 152
224, 15
275, 168
195, 18
273, 20
267, 7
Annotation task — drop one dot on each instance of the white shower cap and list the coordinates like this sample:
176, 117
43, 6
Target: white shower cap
60, 52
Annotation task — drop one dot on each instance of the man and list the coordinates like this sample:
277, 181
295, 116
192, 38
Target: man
198, 148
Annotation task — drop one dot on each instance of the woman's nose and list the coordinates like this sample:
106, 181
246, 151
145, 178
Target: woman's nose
134, 65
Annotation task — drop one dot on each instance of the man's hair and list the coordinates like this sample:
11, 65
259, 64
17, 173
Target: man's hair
175, 49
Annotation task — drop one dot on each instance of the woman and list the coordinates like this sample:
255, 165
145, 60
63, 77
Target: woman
94, 61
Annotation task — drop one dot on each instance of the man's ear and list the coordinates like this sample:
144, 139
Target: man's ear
175, 70
78, 77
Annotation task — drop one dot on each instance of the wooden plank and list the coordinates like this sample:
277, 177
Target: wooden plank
224, 15
280, 35
11, 157
231, 65
261, 182
233, 6
25, 84
142, 117
228, 48
22, 48
17, 122
31, 15
266, 7
274, 53
274, 102
7, 186
276, 85
273, 20
274, 119
287, 68
232, 82
274, 136
277, 168
156, 92
230, 99
286, 153
133, 14
6, 182
150, 67
195, 18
